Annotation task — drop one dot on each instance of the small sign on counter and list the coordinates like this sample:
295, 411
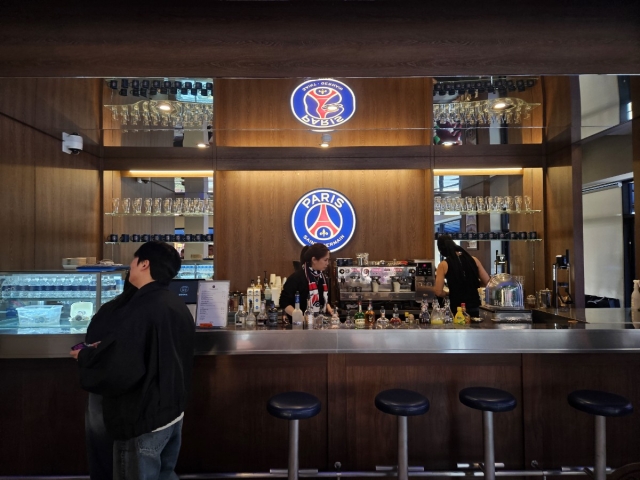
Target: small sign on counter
213, 303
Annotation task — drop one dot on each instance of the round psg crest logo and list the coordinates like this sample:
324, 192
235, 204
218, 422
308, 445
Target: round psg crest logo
323, 104
323, 216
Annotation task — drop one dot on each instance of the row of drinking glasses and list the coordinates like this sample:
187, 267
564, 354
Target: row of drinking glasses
482, 204
159, 206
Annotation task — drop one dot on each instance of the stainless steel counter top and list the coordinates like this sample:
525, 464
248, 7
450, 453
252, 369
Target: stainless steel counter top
598, 330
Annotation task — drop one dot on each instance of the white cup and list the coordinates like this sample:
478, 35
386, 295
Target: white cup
396, 287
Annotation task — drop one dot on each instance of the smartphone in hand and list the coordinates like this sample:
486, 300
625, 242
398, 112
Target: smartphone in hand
79, 346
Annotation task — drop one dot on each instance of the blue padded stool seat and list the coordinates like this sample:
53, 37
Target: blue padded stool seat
293, 405
403, 403
600, 403
487, 399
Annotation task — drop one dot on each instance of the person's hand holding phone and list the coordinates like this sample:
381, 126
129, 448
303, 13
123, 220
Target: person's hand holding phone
75, 350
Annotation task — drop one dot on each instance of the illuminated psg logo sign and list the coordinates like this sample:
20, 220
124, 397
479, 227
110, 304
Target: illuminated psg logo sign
324, 216
323, 104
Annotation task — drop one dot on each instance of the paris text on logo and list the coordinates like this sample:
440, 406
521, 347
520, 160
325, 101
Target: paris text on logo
323, 216
323, 103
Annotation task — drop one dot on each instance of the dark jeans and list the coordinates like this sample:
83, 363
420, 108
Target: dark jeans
149, 456
99, 442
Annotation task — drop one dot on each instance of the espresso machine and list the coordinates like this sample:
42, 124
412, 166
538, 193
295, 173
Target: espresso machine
425, 280
384, 283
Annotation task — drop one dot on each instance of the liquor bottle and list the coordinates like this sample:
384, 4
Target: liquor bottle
359, 316
250, 294
370, 315
395, 318
448, 314
262, 317
382, 321
297, 319
267, 291
335, 318
424, 311
467, 317
308, 315
257, 296
251, 318
241, 315
272, 315
459, 318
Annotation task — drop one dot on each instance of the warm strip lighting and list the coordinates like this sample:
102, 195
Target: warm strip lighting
168, 173
478, 171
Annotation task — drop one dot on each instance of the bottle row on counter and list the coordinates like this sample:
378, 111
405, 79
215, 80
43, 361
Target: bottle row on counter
502, 235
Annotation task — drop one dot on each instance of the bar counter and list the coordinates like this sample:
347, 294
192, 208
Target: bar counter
572, 331
227, 428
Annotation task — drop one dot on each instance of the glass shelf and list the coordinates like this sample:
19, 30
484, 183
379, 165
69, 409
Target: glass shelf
497, 240
494, 212
149, 215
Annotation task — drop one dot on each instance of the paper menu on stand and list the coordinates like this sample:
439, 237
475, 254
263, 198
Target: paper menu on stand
213, 303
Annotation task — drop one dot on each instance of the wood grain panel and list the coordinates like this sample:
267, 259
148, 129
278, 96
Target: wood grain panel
226, 425
18, 99
449, 432
253, 215
17, 194
67, 204
257, 113
557, 112
43, 406
530, 130
635, 132
474, 186
557, 434
286, 39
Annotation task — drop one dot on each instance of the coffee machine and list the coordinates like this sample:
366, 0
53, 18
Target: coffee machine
425, 280
384, 283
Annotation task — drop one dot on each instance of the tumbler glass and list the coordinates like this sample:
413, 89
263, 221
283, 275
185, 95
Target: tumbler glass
480, 204
527, 203
148, 203
459, 204
126, 205
209, 206
490, 205
157, 206
508, 203
448, 204
498, 203
137, 206
437, 203
518, 202
186, 209
115, 205
177, 206
470, 204
166, 205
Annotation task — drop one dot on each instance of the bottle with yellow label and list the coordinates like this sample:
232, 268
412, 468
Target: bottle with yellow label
459, 318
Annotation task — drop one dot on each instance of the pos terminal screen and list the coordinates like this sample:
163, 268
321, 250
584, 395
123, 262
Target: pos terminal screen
187, 290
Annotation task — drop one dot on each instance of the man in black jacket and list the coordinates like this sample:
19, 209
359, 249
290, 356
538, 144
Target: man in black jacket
143, 369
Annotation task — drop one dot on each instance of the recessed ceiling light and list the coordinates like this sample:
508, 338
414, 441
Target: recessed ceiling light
447, 144
164, 106
500, 106
202, 145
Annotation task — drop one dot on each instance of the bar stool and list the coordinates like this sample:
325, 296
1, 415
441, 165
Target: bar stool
489, 400
403, 404
602, 405
293, 406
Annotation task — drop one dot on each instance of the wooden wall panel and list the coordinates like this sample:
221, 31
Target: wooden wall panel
557, 112
18, 99
17, 195
531, 129
257, 113
42, 406
286, 39
253, 209
67, 210
227, 427
557, 434
635, 132
450, 432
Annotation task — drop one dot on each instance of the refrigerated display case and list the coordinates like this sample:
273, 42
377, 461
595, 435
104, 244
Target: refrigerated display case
40, 302
196, 269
